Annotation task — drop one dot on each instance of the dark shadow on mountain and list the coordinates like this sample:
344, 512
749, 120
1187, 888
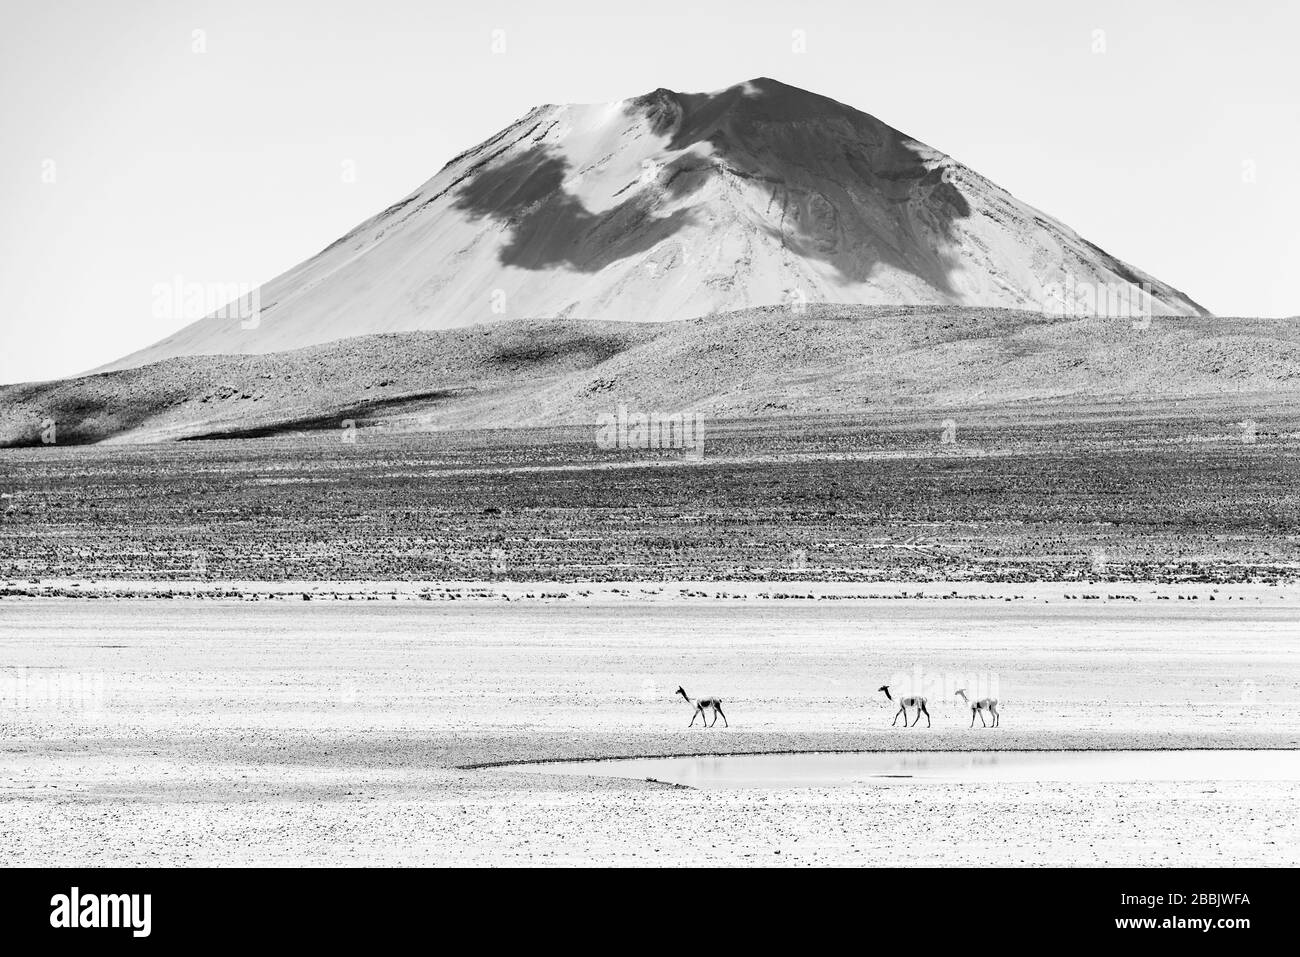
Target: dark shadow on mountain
582, 352
853, 191
845, 188
361, 413
79, 416
551, 227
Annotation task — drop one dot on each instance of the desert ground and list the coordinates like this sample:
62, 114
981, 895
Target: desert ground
362, 727
1167, 491
296, 649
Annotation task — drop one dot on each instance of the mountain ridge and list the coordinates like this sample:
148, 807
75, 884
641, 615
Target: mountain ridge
671, 205
766, 362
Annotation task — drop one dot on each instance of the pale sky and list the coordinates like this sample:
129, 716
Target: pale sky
137, 151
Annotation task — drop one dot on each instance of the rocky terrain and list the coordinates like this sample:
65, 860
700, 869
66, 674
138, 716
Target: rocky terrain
1164, 490
772, 361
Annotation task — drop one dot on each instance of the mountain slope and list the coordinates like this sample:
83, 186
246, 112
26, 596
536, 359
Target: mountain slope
754, 363
669, 206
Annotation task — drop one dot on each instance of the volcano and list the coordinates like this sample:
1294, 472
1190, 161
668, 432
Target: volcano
670, 206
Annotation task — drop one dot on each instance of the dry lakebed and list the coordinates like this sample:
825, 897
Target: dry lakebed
377, 724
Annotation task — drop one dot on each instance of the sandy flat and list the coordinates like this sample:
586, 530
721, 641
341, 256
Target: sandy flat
223, 731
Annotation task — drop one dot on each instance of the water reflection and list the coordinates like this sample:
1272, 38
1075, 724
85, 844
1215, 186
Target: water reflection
941, 767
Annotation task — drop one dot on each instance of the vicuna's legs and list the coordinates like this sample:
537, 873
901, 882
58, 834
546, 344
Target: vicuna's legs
903, 712
983, 723
996, 717
972, 716
919, 711
717, 712
693, 717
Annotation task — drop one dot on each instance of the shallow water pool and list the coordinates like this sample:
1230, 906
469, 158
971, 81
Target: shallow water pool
884, 768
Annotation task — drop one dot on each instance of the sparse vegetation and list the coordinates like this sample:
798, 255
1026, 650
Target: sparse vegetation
1093, 496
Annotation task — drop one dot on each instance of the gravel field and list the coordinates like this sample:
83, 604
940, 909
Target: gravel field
1168, 492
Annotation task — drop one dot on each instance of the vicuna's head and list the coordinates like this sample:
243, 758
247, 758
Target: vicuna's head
885, 689
962, 693
682, 691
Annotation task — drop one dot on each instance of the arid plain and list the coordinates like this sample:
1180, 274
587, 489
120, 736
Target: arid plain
303, 651
228, 731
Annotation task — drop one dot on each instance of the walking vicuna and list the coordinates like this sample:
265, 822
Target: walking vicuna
912, 701
979, 707
713, 704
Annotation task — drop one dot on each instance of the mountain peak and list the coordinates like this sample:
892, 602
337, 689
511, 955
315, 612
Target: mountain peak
758, 98
675, 205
